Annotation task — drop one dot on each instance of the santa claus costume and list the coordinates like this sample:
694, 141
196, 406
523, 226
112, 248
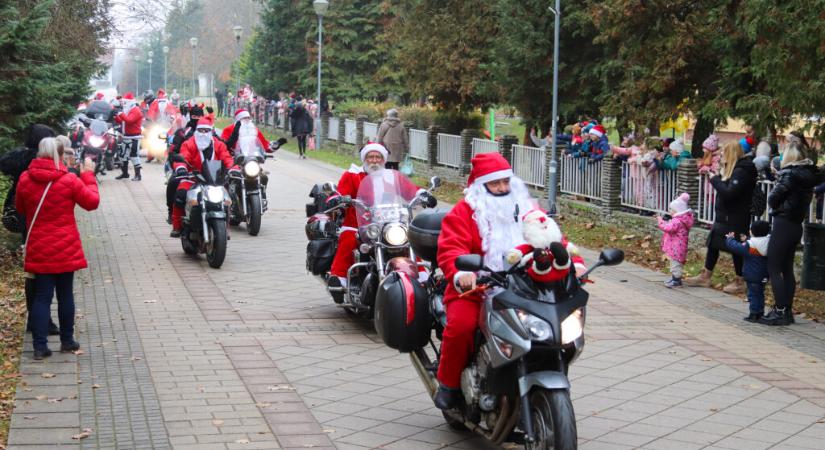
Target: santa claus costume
132, 121
482, 223
241, 133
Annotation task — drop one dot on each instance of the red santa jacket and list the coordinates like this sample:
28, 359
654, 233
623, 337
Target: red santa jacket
155, 111
227, 133
133, 121
194, 157
351, 181
460, 236
54, 242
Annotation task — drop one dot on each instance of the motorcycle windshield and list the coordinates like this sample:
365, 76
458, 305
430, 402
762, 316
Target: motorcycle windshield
211, 172
98, 127
98, 108
250, 147
385, 196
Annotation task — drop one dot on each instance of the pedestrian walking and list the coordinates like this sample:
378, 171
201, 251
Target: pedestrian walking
46, 195
219, 99
734, 192
676, 227
393, 136
754, 251
301, 126
789, 201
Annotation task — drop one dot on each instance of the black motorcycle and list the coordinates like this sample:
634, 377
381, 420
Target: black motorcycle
384, 207
248, 189
204, 222
515, 386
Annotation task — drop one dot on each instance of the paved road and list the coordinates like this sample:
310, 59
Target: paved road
255, 355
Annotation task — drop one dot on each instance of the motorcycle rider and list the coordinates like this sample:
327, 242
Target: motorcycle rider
242, 127
373, 157
202, 146
161, 110
132, 120
181, 132
486, 222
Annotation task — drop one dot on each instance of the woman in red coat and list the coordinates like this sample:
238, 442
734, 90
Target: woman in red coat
53, 248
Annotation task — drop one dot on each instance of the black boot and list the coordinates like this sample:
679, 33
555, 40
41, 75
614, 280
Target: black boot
137, 174
753, 317
778, 317
446, 398
336, 289
124, 169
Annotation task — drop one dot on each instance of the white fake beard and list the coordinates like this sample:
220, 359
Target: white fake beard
247, 129
203, 140
128, 105
499, 224
373, 168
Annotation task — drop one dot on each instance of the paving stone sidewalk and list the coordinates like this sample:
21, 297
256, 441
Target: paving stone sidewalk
256, 355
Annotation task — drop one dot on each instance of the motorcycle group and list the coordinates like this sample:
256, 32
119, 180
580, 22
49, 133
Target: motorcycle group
214, 177
487, 299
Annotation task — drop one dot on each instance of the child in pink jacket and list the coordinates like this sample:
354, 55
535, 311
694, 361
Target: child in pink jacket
676, 227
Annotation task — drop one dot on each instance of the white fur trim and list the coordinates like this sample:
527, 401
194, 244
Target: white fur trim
542, 272
526, 259
492, 176
242, 115
595, 132
355, 169
580, 266
541, 235
374, 147
562, 267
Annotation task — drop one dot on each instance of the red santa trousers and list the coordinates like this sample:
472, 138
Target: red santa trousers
347, 243
177, 211
458, 341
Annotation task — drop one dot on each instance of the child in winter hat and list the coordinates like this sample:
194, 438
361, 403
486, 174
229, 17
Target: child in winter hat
710, 158
755, 269
676, 227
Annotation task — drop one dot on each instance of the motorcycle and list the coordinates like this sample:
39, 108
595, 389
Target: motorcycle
384, 206
515, 386
96, 141
248, 190
204, 220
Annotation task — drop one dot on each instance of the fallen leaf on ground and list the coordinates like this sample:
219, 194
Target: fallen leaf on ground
95, 386
242, 441
328, 430
281, 388
82, 435
217, 422
55, 400
30, 417
41, 397
150, 301
47, 375
79, 352
263, 405
628, 237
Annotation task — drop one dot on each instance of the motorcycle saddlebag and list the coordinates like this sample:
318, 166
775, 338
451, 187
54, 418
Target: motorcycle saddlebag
320, 253
402, 313
319, 226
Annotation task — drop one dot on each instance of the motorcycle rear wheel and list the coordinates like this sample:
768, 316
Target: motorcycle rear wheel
216, 248
253, 227
554, 422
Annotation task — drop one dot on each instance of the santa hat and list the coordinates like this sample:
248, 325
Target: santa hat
374, 147
711, 143
204, 123
161, 93
680, 204
241, 114
598, 131
487, 167
129, 96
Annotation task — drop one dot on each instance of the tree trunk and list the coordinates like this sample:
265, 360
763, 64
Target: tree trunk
704, 127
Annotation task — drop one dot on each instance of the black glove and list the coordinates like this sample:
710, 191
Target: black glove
180, 171
560, 253
428, 200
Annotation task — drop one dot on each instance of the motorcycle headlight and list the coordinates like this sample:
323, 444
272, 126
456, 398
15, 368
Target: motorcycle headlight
395, 235
572, 327
214, 194
373, 231
252, 169
538, 329
96, 141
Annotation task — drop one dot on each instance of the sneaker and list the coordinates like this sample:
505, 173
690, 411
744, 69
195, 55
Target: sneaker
753, 317
42, 354
673, 283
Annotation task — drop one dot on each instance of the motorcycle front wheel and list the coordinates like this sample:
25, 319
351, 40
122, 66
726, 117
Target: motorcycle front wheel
554, 422
216, 248
253, 227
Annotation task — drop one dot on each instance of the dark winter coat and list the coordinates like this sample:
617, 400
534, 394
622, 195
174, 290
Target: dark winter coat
54, 240
733, 202
791, 196
755, 254
301, 121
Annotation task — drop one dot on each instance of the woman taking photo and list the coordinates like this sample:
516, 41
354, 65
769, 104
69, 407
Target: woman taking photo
46, 195
789, 201
734, 189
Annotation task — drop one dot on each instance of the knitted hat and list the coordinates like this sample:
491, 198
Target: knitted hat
763, 149
746, 146
241, 114
711, 143
488, 167
598, 131
680, 204
204, 123
373, 147
677, 145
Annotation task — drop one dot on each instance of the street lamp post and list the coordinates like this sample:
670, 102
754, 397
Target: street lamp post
321, 7
194, 43
150, 54
137, 75
165, 59
553, 181
238, 31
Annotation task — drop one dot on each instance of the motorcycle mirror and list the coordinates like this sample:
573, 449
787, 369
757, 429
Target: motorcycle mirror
611, 257
469, 263
435, 182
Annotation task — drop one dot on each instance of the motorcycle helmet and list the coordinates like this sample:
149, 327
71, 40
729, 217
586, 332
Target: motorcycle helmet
149, 97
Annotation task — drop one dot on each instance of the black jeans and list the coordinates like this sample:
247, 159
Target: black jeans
302, 144
713, 256
171, 188
46, 285
785, 236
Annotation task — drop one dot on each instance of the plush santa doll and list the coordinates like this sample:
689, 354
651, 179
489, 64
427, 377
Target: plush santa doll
546, 254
